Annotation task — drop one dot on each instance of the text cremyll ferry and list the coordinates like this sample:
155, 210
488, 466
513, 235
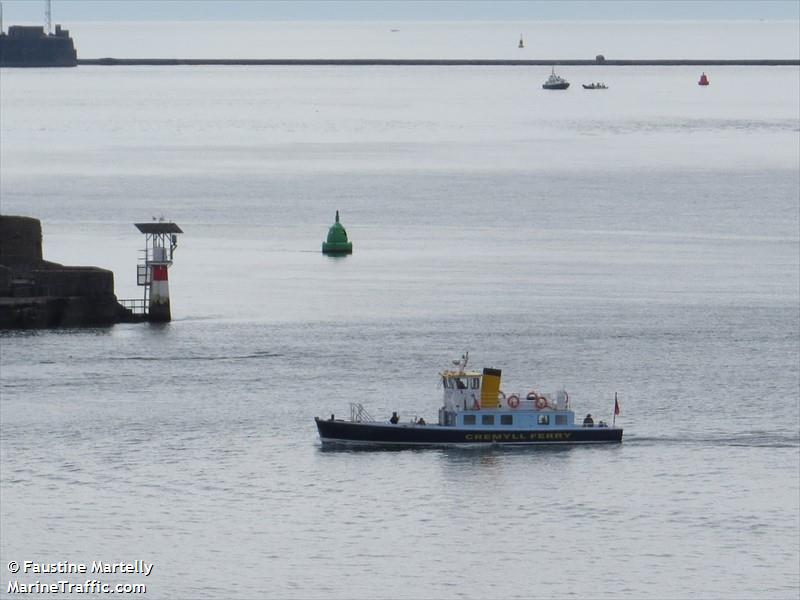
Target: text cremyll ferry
476, 412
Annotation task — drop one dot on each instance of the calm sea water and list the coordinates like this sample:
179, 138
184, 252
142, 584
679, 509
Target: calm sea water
642, 240
419, 39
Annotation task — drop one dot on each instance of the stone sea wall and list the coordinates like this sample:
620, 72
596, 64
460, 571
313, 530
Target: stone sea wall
20, 240
36, 293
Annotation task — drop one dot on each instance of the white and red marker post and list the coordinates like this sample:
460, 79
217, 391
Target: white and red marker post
161, 240
158, 309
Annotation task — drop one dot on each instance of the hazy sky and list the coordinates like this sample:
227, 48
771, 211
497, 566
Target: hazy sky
66, 11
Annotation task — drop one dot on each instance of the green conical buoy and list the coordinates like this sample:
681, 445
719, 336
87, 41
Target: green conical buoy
337, 240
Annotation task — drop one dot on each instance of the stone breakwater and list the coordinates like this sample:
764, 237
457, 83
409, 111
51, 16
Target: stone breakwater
600, 61
35, 293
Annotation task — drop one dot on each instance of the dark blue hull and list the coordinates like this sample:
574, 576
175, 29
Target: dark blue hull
348, 432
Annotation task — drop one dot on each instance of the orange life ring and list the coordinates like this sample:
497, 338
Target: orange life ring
541, 402
513, 401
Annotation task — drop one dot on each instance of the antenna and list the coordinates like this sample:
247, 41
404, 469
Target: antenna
47, 17
1, 17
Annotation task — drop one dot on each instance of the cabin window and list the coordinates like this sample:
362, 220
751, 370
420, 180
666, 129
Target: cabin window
561, 419
460, 384
450, 383
444, 382
544, 419
487, 419
476, 383
506, 419
469, 419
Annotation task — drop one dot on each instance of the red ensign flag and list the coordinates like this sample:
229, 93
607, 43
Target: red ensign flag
616, 405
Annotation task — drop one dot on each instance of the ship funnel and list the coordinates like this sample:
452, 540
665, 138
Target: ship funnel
490, 388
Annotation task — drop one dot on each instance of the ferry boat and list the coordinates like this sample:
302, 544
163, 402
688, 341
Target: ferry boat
595, 86
554, 82
475, 412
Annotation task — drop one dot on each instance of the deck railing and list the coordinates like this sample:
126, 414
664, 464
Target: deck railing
359, 414
136, 305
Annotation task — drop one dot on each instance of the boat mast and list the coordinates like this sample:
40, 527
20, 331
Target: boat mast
461, 363
47, 18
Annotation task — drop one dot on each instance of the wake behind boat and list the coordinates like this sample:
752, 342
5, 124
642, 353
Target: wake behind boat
475, 412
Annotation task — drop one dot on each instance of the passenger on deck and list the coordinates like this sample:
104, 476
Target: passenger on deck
421, 421
588, 421
394, 419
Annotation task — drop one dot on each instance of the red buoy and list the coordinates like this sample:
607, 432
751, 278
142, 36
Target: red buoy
703, 80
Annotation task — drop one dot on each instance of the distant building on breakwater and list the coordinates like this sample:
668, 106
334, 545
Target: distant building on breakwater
36, 46
30, 46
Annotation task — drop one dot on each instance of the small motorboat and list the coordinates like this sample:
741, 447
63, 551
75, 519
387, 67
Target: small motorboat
703, 80
554, 82
521, 43
595, 86
475, 411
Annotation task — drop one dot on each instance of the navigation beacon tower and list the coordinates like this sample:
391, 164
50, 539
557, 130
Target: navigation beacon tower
161, 239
